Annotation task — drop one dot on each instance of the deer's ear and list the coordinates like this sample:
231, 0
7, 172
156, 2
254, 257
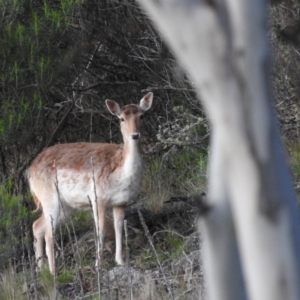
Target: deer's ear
113, 107
146, 102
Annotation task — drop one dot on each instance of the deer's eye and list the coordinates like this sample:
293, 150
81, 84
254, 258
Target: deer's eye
141, 117
122, 119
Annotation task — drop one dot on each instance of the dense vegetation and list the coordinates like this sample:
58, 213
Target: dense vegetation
59, 61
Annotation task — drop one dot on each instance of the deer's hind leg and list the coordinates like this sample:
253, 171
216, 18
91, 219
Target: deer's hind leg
56, 214
43, 232
39, 229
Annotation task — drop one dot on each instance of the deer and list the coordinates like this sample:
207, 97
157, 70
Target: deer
75, 176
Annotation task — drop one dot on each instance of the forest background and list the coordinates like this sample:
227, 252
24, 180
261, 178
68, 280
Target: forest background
59, 62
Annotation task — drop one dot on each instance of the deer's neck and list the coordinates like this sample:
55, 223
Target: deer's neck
132, 158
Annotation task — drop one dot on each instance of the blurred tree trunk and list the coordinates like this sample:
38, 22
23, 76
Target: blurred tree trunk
253, 218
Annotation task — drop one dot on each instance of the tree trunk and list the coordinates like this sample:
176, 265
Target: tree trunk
223, 46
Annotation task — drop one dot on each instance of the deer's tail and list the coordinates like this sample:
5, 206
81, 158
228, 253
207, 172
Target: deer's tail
36, 201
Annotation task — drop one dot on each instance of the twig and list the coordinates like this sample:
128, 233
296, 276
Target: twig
52, 237
91, 122
99, 241
33, 273
23, 261
86, 68
62, 251
97, 249
75, 252
167, 87
60, 125
128, 261
150, 240
50, 140
107, 83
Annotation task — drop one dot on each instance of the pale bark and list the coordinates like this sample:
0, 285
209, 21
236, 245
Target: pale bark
223, 46
221, 257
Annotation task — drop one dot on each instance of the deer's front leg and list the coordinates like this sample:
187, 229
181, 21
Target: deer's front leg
119, 215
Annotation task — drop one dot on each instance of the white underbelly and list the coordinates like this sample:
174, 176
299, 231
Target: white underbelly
117, 190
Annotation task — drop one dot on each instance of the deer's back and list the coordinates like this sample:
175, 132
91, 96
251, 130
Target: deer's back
76, 157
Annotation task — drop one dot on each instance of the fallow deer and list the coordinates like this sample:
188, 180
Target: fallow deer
63, 177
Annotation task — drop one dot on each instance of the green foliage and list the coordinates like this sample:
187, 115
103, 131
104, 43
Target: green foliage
64, 277
156, 187
181, 172
10, 204
9, 287
14, 217
47, 281
294, 155
146, 260
83, 219
29, 58
170, 245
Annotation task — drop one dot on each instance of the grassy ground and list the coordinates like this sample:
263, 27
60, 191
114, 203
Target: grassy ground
162, 246
163, 251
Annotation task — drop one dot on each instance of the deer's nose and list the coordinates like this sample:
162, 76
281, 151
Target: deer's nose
135, 135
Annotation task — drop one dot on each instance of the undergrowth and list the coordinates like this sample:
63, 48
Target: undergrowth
180, 172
